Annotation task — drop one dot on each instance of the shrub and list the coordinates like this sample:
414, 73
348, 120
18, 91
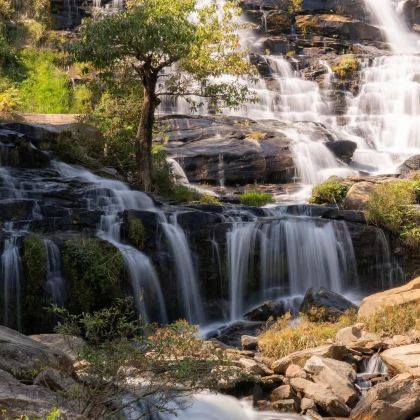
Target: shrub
295, 6
347, 66
92, 269
256, 198
9, 97
209, 199
284, 338
394, 320
391, 207
136, 232
329, 192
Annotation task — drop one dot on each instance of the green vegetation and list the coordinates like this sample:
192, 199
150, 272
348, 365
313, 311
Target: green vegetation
332, 191
136, 232
169, 360
282, 338
295, 6
347, 67
204, 48
92, 269
256, 198
391, 206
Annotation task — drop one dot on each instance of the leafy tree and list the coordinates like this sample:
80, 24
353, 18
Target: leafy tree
199, 45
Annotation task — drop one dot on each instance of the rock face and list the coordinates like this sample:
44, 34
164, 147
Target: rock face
404, 359
338, 377
396, 400
331, 304
358, 195
409, 293
410, 165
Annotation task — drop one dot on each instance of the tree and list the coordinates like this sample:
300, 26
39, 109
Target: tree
200, 45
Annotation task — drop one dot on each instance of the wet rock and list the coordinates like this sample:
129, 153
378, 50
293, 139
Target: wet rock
16, 209
409, 293
20, 355
410, 165
343, 149
331, 304
299, 358
322, 396
339, 377
398, 399
403, 359
267, 310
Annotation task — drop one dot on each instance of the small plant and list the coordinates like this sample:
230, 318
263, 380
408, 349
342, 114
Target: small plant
347, 67
295, 6
329, 192
136, 232
256, 198
391, 206
209, 199
256, 136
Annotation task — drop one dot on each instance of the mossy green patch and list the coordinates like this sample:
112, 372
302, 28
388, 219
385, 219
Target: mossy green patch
256, 198
332, 191
136, 232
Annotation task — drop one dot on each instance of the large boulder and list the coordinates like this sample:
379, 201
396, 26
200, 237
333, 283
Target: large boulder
23, 357
404, 359
358, 195
398, 399
299, 358
409, 293
323, 397
410, 165
355, 336
331, 304
267, 310
338, 377
343, 149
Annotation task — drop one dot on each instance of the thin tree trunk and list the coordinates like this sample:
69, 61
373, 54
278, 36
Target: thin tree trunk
144, 136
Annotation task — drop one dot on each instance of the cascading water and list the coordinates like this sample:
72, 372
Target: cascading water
55, 285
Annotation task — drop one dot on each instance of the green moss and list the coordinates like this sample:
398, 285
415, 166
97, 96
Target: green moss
391, 207
136, 232
256, 198
329, 192
92, 269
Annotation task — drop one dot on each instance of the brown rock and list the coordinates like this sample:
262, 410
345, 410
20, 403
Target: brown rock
409, 293
358, 195
295, 371
282, 392
55, 380
404, 359
249, 342
286, 406
271, 381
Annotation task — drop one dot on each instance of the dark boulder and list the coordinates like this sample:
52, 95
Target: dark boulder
232, 334
267, 310
329, 304
343, 149
410, 165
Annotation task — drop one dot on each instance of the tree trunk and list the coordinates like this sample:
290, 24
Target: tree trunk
144, 136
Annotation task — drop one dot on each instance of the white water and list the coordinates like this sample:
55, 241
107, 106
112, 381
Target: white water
55, 285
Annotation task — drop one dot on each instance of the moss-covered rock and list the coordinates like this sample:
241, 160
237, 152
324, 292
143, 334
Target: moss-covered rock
92, 269
136, 232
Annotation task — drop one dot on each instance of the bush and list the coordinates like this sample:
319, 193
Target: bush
394, 320
92, 269
329, 192
391, 207
283, 338
347, 66
256, 199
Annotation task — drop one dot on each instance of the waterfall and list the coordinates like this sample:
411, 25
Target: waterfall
55, 285
113, 197
396, 31
295, 254
11, 278
186, 276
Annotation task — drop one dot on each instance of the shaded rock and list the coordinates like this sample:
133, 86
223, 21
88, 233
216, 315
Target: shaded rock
286, 406
331, 304
404, 359
322, 396
232, 334
266, 311
398, 399
249, 342
339, 377
21, 356
332, 351
343, 149
271, 381
409, 293
16, 209
411, 164
60, 343
55, 380
282, 392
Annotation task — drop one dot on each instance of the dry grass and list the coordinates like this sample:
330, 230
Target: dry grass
284, 338
256, 136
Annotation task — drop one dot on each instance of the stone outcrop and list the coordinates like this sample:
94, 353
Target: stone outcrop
403, 359
409, 293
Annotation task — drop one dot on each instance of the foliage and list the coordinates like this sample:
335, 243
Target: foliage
347, 66
329, 192
393, 320
256, 198
169, 362
92, 269
391, 207
9, 96
295, 6
209, 199
136, 232
285, 337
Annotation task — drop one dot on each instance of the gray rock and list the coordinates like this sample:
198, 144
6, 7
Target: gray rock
249, 342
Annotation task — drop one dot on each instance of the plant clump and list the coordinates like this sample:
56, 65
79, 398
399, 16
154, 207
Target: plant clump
332, 191
136, 232
392, 207
347, 67
256, 198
